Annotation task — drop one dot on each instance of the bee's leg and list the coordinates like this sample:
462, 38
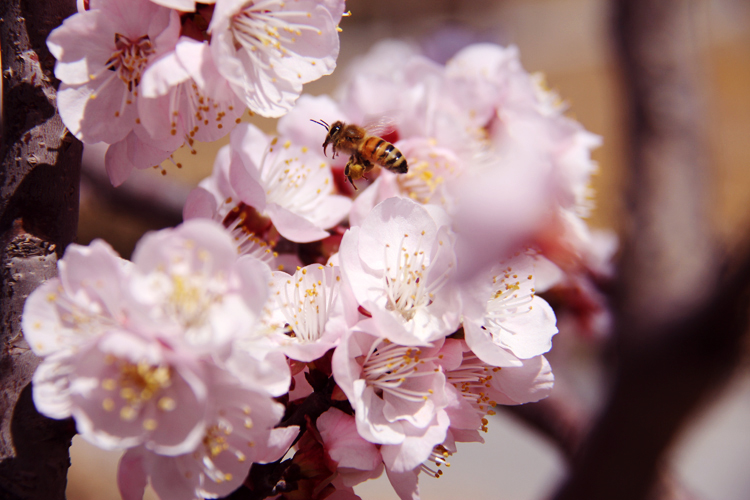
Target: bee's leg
348, 173
368, 166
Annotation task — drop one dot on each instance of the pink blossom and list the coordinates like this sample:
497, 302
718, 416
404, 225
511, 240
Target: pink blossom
184, 99
504, 319
125, 391
397, 393
101, 56
147, 354
397, 264
217, 199
473, 388
306, 312
267, 50
87, 299
356, 459
290, 184
240, 432
195, 289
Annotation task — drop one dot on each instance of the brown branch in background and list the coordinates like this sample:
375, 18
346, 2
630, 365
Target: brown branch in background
158, 201
679, 328
39, 179
656, 390
669, 264
554, 418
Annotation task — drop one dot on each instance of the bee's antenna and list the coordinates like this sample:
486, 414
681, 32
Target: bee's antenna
322, 123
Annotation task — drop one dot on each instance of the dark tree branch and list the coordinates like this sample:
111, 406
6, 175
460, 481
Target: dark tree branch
669, 262
39, 179
657, 389
680, 327
554, 418
157, 201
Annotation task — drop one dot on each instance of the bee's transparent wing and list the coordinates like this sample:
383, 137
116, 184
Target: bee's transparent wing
380, 125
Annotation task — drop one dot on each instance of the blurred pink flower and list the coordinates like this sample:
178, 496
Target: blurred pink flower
126, 344
240, 431
88, 298
125, 391
195, 291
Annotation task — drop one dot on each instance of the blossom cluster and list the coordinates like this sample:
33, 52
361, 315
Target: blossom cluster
147, 77
355, 331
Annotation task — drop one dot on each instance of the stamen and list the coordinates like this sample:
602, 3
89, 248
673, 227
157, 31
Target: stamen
471, 378
310, 304
388, 367
407, 288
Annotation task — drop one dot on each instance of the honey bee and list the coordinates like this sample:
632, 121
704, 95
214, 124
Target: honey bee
366, 150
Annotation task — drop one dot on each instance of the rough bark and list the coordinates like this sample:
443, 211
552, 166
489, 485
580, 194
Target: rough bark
39, 183
680, 322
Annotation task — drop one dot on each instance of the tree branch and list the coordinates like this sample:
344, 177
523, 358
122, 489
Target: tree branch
680, 329
39, 179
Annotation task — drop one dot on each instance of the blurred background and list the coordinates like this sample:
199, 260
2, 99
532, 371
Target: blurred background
568, 41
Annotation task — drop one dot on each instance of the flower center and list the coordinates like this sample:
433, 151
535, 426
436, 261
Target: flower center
471, 379
137, 385
250, 230
389, 369
406, 288
512, 297
292, 182
130, 59
260, 27
191, 300
308, 306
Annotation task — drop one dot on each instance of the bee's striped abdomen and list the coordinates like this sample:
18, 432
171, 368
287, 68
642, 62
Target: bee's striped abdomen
385, 154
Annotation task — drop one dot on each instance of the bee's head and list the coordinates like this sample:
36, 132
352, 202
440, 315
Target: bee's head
333, 132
